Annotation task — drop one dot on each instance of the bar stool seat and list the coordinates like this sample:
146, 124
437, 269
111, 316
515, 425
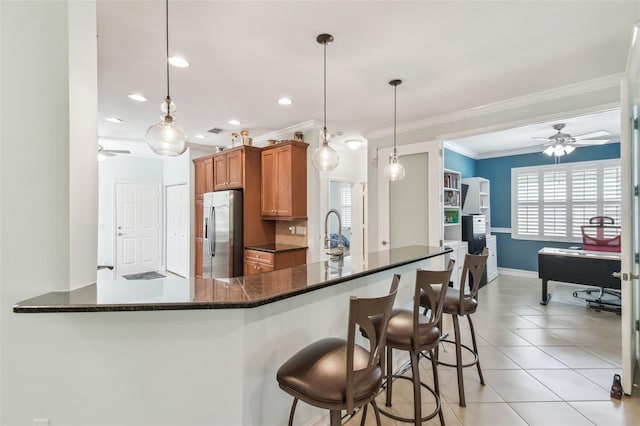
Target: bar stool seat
453, 305
338, 374
316, 372
400, 331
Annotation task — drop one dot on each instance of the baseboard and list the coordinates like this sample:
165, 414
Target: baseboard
518, 272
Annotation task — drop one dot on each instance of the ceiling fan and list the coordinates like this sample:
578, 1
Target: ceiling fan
111, 152
563, 143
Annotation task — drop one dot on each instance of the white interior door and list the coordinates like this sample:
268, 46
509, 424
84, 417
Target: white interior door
630, 157
423, 165
177, 229
137, 227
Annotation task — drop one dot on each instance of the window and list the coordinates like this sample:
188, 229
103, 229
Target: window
550, 203
345, 206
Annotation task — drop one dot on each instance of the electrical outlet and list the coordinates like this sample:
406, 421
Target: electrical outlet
301, 230
41, 422
292, 229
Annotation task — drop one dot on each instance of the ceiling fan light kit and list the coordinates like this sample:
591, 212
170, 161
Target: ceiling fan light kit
324, 157
563, 143
165, 137
394, 171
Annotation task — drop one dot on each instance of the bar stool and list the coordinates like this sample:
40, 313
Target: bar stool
338, 374
408, 331
459, 302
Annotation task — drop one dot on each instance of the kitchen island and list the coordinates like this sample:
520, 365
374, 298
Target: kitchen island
195, 352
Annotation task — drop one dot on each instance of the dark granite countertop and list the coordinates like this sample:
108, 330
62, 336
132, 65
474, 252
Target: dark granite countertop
275, 248
224, 293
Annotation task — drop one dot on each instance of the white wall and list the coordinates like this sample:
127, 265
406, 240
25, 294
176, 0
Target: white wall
120, 168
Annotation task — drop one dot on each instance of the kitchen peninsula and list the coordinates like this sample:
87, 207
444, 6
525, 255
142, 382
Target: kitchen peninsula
226, 336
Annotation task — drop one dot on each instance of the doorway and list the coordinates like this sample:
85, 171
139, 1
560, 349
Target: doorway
409, 210
137, 233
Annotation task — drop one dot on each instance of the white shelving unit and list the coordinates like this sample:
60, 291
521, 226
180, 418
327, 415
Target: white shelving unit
492, 260
451, 198
478, 200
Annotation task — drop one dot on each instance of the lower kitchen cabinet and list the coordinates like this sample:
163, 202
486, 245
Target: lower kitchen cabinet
492, 261
256, 261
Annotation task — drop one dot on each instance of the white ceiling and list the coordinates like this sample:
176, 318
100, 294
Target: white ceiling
451, 55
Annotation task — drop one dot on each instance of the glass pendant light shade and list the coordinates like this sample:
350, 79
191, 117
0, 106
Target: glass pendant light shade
324, 157
394, 171
568, 149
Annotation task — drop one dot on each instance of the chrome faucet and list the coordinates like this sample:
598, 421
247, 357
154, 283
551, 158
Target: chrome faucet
336, 253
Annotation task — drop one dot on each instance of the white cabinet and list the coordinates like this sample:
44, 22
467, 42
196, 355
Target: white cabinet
459, 252
492, 261
451, 198
478, 197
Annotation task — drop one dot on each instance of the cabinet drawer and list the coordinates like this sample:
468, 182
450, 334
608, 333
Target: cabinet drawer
259, 256
252, 267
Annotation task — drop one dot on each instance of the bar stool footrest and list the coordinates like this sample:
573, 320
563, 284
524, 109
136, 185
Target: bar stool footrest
411, 420
446, 364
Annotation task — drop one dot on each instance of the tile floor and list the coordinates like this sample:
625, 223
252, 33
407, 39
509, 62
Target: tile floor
543, 365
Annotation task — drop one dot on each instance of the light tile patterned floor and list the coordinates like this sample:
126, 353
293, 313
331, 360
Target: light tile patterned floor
543, 365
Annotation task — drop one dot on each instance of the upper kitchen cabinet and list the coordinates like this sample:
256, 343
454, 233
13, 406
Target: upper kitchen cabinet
228, 169
284, 181
204, 176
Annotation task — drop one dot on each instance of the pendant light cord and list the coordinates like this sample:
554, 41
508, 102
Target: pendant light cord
167, 35
395, 109
325, 91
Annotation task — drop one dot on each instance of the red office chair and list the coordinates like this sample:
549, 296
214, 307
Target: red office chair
601, 234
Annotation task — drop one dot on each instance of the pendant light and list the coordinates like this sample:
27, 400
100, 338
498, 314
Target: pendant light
165, 137
324, 157
394, 170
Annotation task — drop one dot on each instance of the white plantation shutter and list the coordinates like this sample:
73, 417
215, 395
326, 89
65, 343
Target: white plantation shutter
345, 207
584, 197
550, 203
528, 198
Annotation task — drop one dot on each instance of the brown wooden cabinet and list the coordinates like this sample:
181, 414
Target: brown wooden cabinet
284, 181
228, 170
256, 261
203, 176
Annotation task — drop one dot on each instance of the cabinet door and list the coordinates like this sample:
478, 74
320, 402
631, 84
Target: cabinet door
208, 175
234, 170
220, 175
199, 174
198, 260
284, 190
269, 183
199, 219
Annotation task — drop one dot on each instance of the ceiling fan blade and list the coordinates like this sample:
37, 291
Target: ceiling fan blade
540, 138
601, 134
585, 142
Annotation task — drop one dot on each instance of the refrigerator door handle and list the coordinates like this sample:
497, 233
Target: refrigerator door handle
212, 241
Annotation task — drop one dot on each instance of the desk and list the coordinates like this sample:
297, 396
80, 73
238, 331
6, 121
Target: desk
577, 267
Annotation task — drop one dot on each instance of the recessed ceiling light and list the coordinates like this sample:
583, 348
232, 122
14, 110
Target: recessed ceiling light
199, 136
234, 122
285, 101
178, 61
114, 119
137, 97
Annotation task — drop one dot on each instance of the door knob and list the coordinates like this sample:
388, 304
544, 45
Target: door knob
625, 276
384, 243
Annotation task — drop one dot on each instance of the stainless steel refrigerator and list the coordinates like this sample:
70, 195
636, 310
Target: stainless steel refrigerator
222, 234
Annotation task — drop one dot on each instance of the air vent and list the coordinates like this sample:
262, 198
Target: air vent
215, 130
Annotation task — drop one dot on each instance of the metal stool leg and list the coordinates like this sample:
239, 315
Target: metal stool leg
293, 410
377, 412
336, 418
475, 348
436, 385
389, 375
417, 398
364, 415
456, 329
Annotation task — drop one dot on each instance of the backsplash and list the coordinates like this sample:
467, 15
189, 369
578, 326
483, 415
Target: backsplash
292, 232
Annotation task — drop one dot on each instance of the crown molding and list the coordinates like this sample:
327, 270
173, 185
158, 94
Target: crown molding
287, 132
460, 150
525, 100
